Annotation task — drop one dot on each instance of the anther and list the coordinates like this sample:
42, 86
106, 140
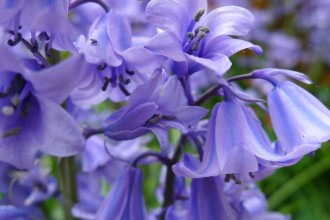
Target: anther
169, 117
11, 132
15, 100
43, 36
199, 14
16, 40
251, 175
196, 46
124, 90
25, 110
204, 29
8, 110
190, 35
102, 67
106, 83
130, 72
227, 178
124, 81
93, 41
154, 119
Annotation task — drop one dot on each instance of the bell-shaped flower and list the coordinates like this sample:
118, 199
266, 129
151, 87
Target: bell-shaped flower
125, 200
208, 200
30, 119
48, 17
115, 67
232, 132
194, 41
300, 121
155, 106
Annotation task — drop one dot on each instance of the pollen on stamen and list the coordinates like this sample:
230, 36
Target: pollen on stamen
15, 100
8, 110
199, 14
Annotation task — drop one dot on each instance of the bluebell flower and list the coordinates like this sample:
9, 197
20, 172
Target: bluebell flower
115, 67
208, 200
149, 109
125, 200
300, 121
195, 41
30, 119
49, 17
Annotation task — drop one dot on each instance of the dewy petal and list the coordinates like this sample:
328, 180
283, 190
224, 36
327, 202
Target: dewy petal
298, 117
275, 72
229, 46
142, 60
168, 45
125, 200
228, 20
58, 82
217, 62
208, 200
168, 15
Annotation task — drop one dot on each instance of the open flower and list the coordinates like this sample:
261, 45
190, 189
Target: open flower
31, 118
195, 41
149, 109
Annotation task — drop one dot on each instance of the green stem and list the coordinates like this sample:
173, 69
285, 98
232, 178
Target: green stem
67, 178
297, 182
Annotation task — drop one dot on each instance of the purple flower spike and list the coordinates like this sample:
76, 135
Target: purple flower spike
149, 109
208, 200
195, 40
125, 200
301, 122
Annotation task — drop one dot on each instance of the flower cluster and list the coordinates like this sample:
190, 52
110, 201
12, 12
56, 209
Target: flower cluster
98, 84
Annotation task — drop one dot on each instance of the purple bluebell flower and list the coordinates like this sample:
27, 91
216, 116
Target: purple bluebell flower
125, 200
208, 200
195, 41
115, 67
149, 109
301, 122
48, 18
30, 121
232, 134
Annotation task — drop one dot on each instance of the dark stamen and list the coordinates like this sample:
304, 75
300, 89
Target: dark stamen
43, 36
93, 41
251, 175
124, 90
199, 14
169, 117
106, 83
124, 81
102, 67
130, 72
154, 119
12, 132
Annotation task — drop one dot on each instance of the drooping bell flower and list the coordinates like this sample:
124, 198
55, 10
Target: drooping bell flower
125, 200
301, 122
155, 106
208, 200
115, 67
299, 119
30, 119
232, 134
195, 40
